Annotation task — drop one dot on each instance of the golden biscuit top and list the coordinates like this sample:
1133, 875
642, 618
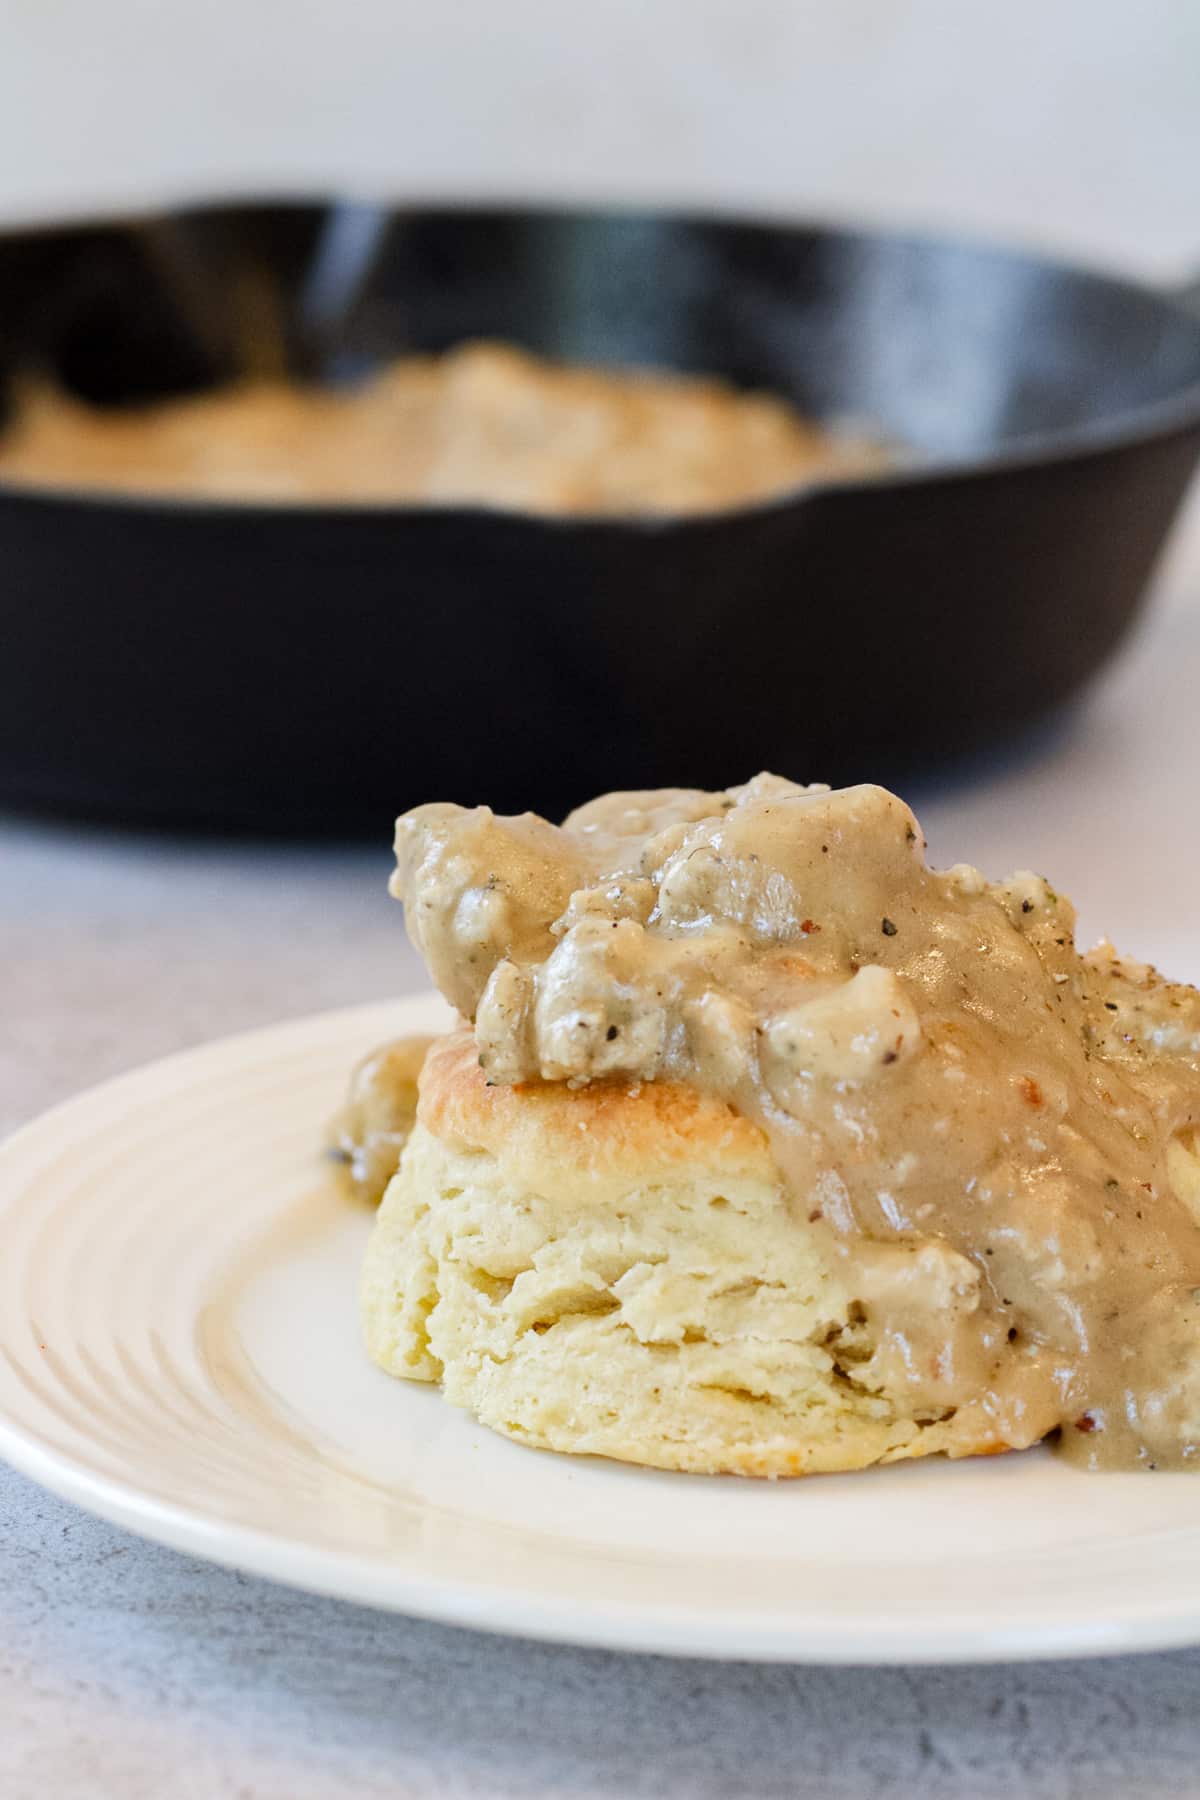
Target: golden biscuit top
619, 1128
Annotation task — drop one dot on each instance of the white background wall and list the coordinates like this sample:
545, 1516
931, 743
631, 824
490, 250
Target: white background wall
1067, 123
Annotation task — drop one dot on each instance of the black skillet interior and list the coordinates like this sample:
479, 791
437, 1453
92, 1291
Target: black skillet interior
957, 350
317, 668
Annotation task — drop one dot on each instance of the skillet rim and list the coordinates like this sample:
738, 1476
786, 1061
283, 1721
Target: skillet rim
1151, 422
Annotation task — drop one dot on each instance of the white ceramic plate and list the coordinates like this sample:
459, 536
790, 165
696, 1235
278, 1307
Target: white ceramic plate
179, 1352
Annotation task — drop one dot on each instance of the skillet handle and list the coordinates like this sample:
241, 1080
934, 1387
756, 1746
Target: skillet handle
1188, 294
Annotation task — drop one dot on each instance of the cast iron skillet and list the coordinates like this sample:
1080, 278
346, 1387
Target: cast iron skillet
319, 668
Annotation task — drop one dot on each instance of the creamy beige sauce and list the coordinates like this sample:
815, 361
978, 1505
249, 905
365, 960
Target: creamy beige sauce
373, 1124
484, 425
996, 1133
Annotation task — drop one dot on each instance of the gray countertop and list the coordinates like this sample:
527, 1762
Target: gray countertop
127, 1670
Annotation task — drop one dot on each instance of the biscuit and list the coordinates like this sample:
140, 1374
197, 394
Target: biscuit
618, 1270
